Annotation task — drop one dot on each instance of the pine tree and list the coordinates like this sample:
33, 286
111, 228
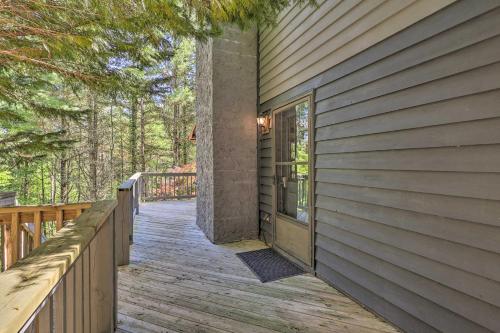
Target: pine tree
74, 74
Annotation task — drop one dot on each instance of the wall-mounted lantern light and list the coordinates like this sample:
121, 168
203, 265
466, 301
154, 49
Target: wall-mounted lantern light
264, 122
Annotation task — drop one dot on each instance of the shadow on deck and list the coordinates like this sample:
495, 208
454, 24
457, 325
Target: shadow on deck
178, 281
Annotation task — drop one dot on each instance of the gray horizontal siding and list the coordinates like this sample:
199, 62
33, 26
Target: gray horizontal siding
265, 186
407, 162
308, 40
371, 299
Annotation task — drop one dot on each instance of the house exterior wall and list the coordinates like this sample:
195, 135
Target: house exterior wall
309, 40
7, 199
226, 136
407, 167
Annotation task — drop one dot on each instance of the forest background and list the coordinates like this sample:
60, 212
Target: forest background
93, 91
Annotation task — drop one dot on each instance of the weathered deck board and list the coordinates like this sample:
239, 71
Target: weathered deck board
178, 281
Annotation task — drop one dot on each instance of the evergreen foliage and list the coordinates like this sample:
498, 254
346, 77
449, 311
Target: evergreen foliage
93, 90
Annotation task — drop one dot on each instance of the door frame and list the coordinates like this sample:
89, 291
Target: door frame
309, 97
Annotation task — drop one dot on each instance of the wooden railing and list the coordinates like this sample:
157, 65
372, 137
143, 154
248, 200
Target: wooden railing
24, 228
68, 283
147, 186
168, 186
62, 260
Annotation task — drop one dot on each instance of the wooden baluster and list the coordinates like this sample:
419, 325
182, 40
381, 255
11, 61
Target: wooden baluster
20, 253
3, 259
78, 267
158, 186
170, 188
155, 186
142, 188
148, 187
14, 239
167, 187
59, 308
43, 320
24, 242
163, 186
59, 219
159, 193
37, 220
69, 301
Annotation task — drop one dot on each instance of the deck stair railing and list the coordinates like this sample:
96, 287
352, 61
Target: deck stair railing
62, 260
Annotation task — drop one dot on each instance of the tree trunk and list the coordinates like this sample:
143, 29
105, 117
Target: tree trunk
78, 179
93, 149
52, 185
175, 137
133, 137
143, 136
63, 173
112, 149
25, 184
122, 159
184, 140
42, 177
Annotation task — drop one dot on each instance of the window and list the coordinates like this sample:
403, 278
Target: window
292, 161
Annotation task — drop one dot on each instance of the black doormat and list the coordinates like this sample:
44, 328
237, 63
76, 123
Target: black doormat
269, 265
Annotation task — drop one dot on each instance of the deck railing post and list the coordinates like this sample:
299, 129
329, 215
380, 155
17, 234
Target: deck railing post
136, 197
131, 216
122, 226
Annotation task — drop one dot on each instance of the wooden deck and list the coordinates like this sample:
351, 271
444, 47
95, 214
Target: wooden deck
178, 281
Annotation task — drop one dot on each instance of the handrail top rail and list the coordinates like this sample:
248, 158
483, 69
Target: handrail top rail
7, 194
20, 297
169, 174
45, 208
136, 175
129, 183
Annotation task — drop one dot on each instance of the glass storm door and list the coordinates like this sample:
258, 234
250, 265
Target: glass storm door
292, 181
